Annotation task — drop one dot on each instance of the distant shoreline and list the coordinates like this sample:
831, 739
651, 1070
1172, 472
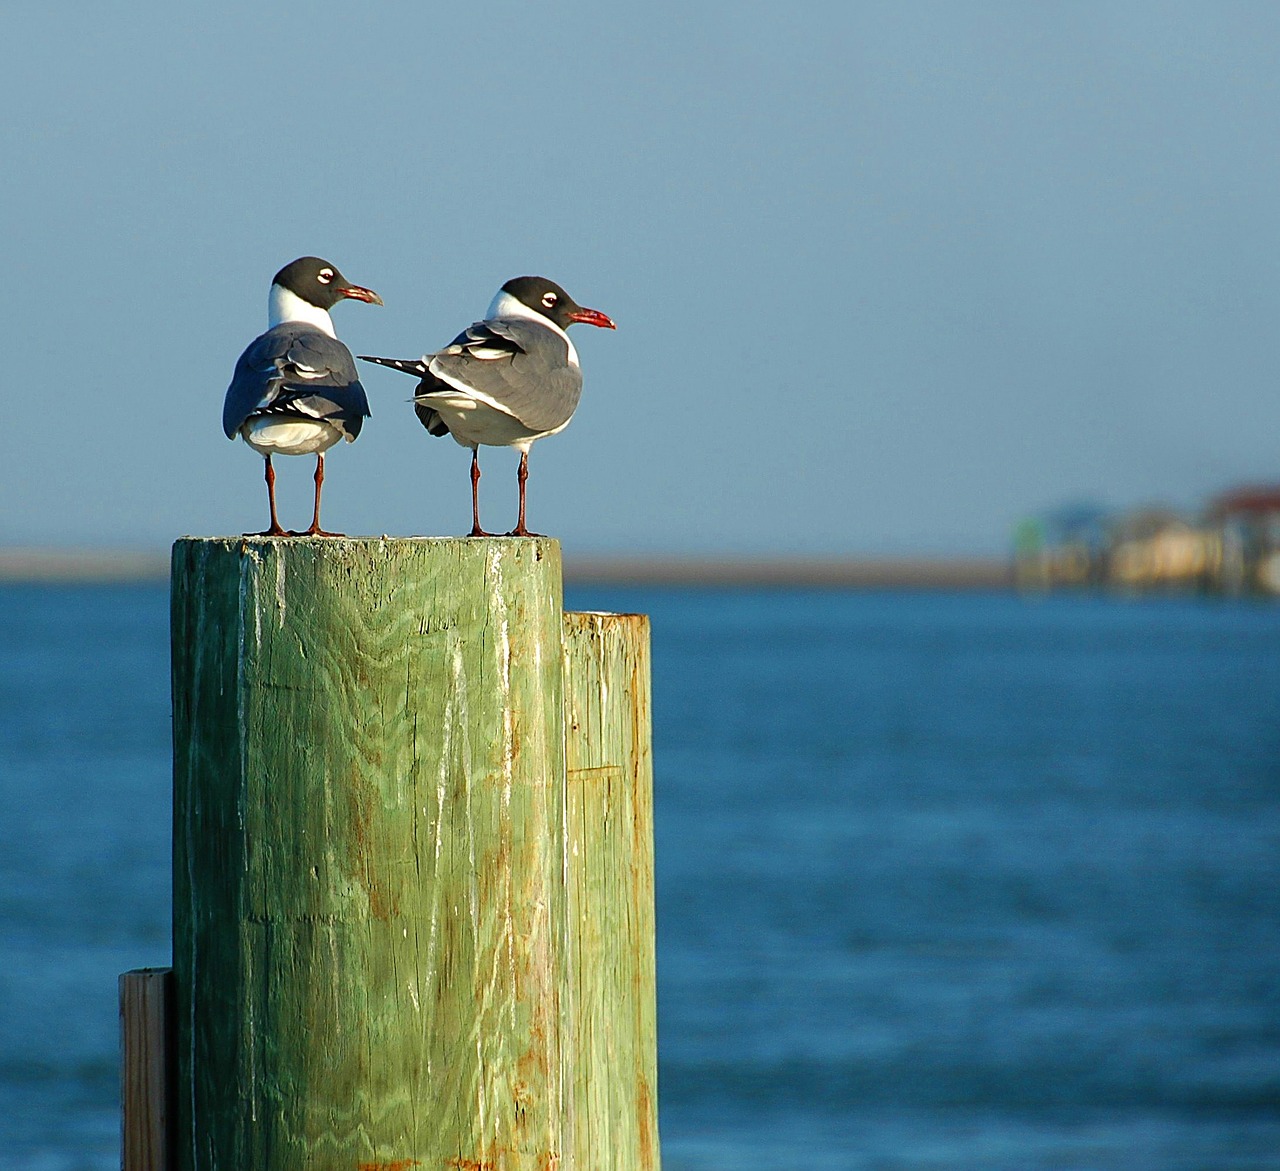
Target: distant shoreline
32, 566
869, 573
81, 566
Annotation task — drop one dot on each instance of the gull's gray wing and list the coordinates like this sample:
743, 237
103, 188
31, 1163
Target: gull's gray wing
518, 366
296, 369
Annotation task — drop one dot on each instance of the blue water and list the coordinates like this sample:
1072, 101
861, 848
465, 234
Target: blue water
944, 882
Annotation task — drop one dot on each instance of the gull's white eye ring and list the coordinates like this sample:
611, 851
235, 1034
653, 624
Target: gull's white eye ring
326, 275
548, 299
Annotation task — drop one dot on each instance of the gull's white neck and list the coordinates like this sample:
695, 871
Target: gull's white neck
505, 305
286, 306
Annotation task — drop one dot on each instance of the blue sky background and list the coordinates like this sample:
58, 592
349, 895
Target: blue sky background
887, 276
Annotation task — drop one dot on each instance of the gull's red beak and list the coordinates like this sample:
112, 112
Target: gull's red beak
592, 317
359, 293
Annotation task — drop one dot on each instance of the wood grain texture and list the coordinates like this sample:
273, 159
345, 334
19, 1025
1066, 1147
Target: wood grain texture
611, 1034
146, 1069
368, 854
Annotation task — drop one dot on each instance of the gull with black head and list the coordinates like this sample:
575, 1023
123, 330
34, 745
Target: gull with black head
506, 381
295, 390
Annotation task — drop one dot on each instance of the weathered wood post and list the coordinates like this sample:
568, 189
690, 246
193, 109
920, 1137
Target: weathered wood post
147, 1076
611, 1046
369, 858
404, 934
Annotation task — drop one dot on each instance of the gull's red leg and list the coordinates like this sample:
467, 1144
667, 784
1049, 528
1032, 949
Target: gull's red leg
523, 476
275, 530
315, 530
476, 530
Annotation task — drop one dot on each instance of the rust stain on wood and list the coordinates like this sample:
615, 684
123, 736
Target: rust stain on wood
493, 874
470, 1164
362, 801
533, 1063
394, 1165
522, 1100
382, 905
644, 1115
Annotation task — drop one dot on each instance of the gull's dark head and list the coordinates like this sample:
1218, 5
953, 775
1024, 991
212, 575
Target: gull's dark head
319, 283
552, 302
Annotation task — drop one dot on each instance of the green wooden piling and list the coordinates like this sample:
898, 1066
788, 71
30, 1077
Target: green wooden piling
369, 855
611, 1044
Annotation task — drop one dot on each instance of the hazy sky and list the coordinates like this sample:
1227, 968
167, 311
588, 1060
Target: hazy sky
887, 276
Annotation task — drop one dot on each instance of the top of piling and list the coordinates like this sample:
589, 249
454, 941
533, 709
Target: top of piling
371, 550
257, 540
372, 568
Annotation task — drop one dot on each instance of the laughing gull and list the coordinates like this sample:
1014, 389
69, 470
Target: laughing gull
295, 389
504, 381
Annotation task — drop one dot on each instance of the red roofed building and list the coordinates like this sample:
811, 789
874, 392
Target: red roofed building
1248, 519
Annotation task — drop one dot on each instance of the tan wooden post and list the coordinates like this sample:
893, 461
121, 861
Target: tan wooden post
611, 1039
146, 1065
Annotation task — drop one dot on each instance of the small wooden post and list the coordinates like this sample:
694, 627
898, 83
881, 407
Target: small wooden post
369, 888
146, 1068
611, 1041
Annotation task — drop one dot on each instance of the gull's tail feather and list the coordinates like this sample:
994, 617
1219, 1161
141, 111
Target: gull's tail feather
415, 366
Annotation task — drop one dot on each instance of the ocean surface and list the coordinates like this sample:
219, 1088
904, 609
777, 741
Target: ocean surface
948, 882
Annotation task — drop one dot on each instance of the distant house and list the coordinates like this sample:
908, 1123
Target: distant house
1247, 522
1065, 547
1158, 549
